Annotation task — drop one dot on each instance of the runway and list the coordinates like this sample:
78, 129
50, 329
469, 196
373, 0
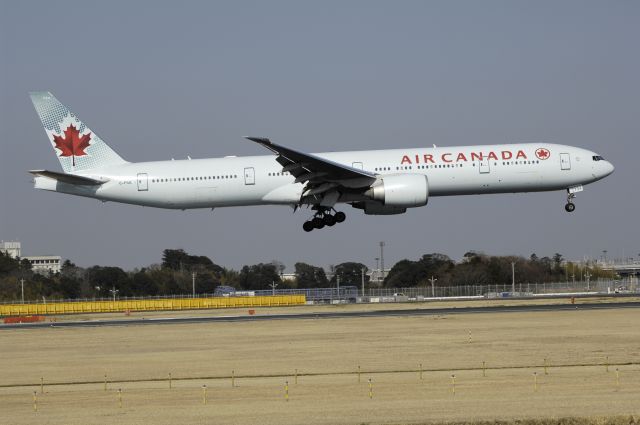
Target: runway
330, 315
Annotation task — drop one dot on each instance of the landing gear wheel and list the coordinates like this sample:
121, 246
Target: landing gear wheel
323, 217
570, 206
329, 220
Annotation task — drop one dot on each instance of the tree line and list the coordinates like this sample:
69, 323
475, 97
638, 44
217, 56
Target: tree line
173, 276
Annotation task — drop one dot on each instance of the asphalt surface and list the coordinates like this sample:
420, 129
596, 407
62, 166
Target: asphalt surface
328, 315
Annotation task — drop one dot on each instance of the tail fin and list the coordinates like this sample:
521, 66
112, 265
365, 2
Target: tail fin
77, 147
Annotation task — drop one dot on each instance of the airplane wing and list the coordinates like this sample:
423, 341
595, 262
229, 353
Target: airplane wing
320, 174
68, 178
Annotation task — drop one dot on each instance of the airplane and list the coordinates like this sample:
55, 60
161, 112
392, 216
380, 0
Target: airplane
379, 182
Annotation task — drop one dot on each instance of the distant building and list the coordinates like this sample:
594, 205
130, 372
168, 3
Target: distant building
376, 276
11, 248
39, 263
45, 263
288, 277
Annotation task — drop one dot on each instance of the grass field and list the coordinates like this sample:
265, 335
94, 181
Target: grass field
327, 353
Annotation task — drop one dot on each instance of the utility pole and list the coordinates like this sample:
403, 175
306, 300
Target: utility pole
362, 271
193, 284
382, 258
513, 277
338, 281
433, 286
273, 285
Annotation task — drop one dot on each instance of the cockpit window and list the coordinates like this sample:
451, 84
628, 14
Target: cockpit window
597, 158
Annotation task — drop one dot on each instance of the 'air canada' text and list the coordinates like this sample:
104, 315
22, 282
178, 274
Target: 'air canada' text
448, 157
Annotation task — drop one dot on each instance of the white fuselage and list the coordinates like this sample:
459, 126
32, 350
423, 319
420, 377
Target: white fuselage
259, 180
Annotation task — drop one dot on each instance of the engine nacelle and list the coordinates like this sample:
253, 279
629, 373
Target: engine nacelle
376, 208
401, 190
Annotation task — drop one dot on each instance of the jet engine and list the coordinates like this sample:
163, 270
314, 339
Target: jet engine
400, 190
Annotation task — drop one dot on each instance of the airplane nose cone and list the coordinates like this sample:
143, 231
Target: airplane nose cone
609, 168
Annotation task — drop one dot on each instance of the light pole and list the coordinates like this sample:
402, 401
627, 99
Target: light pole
22, 288
382, 258
21, 280
378, 268
587, 276
273, 285
513, 277
362, 272
193, 284
433, 286
114, 291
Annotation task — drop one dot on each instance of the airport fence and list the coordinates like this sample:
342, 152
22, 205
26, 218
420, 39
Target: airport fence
289, 297
348, 293
506, 291
353, 293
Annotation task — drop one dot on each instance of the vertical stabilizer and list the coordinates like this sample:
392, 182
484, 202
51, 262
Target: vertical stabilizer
76, 146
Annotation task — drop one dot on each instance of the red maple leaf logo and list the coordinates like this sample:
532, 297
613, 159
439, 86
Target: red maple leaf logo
72, 144
542, 153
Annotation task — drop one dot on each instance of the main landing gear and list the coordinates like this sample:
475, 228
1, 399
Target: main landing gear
570, 206
323, 217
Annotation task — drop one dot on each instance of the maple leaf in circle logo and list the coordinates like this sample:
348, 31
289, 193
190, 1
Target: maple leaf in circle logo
542, 153
72, 144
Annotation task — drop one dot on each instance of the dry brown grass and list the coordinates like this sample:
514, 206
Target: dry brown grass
327, 353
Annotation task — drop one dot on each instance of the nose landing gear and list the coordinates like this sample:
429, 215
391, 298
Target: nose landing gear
322, 218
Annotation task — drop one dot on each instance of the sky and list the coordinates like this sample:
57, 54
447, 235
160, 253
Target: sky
161, 80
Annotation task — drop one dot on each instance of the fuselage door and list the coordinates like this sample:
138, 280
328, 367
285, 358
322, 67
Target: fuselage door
357, 165
143, 182
565, 161
249, 176
484, 166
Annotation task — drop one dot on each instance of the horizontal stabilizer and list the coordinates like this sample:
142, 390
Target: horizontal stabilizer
68, 178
